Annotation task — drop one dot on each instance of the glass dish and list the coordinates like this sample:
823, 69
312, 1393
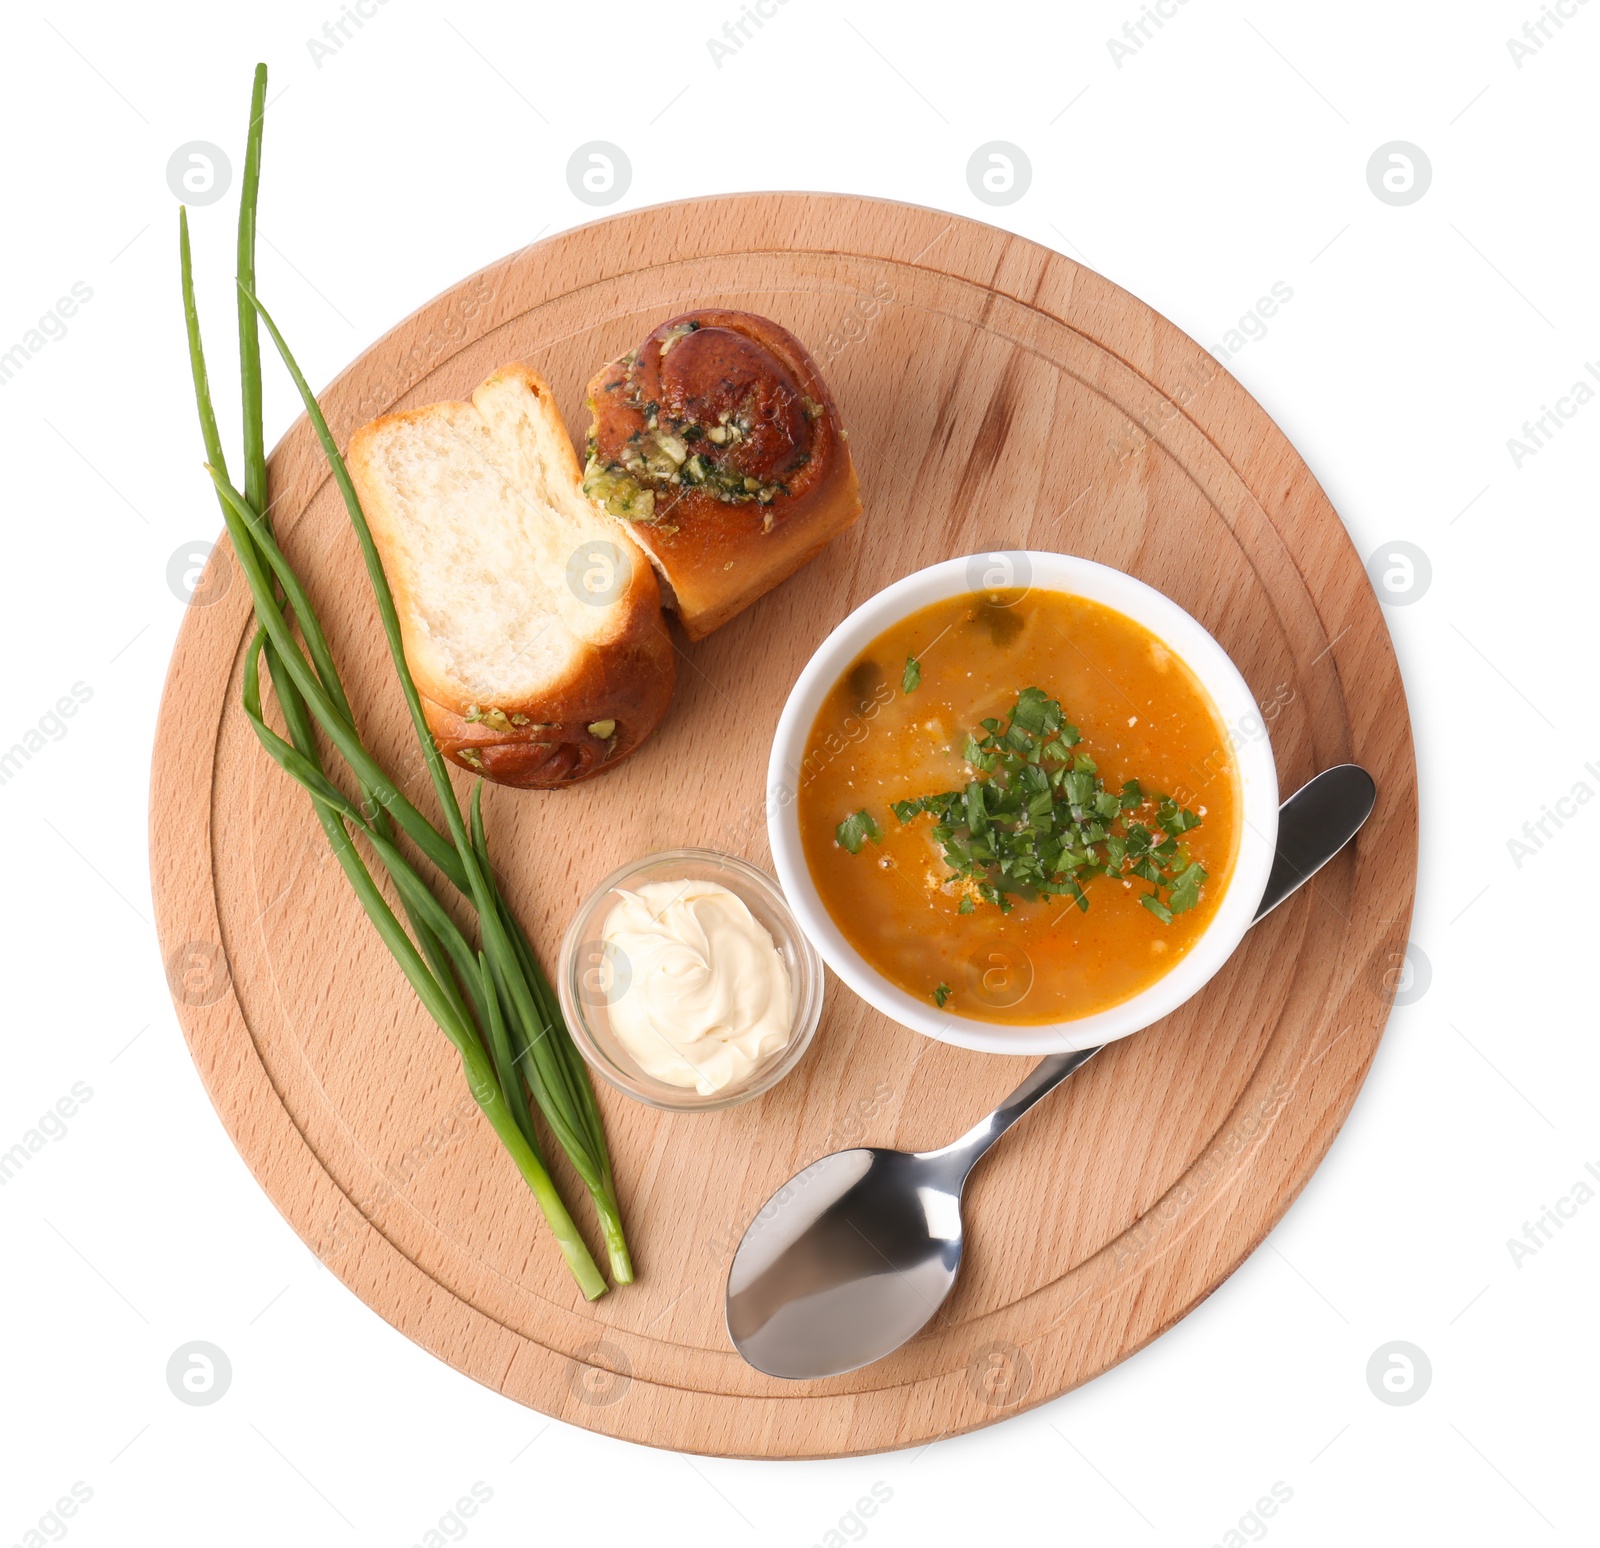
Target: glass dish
583, 975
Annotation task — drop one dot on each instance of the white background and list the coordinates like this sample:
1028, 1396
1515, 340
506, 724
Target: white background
1227, 154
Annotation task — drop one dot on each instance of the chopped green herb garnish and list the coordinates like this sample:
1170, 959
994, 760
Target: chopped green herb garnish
1029, 711
941, 993
1186, 890
856, 827
1038, 821
911, 676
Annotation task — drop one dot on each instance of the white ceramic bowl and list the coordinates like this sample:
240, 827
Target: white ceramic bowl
1236, 707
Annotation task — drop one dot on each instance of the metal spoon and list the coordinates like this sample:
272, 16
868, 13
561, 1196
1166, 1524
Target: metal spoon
855, 1254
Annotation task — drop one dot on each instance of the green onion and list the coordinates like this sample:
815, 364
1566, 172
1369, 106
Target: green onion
492, 1001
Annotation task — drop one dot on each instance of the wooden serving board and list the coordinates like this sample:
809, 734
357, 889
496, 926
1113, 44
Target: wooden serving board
997, 395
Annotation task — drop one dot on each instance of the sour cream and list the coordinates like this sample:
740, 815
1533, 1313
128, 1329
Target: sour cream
698, 994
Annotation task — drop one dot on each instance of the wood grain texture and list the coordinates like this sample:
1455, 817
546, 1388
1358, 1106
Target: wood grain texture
997, 395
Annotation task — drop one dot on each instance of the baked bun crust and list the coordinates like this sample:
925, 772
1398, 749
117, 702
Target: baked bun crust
532, 626
717, 445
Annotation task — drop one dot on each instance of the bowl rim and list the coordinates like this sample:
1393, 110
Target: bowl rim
1188, 639
808, 994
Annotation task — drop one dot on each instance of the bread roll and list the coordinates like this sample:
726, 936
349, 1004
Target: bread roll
532, 624
716, 443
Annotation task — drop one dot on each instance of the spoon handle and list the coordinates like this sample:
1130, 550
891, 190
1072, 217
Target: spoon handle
1314, 824
1041, 1080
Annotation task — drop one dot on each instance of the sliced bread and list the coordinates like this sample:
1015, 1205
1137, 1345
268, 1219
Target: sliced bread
531, 622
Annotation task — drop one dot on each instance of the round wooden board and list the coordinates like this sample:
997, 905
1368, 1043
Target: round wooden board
997, 395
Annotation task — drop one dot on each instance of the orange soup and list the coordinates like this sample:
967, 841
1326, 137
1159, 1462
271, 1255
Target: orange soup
1019, 806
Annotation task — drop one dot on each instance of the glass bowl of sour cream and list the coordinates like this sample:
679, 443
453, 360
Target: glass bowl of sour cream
687, 983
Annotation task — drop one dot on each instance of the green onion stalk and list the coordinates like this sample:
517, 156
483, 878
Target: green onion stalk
491, 1000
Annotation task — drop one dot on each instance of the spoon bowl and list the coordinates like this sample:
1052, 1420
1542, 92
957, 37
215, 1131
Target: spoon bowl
848, 1260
